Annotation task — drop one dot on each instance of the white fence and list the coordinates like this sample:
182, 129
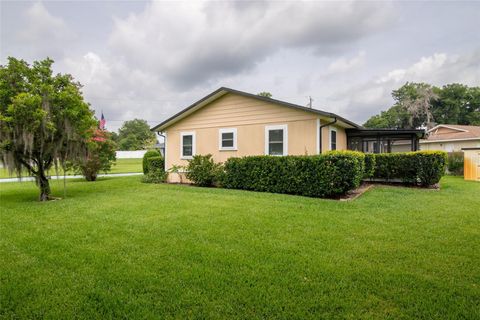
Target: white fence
137, 154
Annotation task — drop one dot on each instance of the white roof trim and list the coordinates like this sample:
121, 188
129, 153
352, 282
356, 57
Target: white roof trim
446, 126
448, 140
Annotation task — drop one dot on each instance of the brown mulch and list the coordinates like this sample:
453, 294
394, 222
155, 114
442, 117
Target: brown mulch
354, 194
364, 187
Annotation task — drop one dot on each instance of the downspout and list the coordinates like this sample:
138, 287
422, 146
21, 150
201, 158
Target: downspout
164, 148
320, 129
164, 139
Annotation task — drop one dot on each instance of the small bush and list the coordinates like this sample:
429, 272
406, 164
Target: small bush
423, 168
148, 154
326, 175
203, 171
156, 170
455, 163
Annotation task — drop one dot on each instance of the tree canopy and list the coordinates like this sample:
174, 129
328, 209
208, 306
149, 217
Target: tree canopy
265, 94
135, 135
421, 104
43, 119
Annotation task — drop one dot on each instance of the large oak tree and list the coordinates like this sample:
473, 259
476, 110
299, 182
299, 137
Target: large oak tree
44, 120
423, 105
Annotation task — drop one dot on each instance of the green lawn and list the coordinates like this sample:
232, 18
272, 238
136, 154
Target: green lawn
121, 166
117, 248
127, 165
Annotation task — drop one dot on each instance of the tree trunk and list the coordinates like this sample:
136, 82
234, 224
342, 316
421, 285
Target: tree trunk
91, 176
44, 186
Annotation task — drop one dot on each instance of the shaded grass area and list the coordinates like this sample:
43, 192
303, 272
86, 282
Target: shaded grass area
120, 166
118, 248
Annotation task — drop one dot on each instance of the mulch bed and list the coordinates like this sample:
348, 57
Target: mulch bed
354, 194
364, 187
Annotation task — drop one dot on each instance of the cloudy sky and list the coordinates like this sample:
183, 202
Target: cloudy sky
150, 59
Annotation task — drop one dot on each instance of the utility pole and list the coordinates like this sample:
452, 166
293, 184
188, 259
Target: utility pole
310, 102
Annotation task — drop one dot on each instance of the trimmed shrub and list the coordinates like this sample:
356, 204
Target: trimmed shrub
326, 175
203, 171
423, 168
149, 154
156, 170
369, 165
430, 166
455, 163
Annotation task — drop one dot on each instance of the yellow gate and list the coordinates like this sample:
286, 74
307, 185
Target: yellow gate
471, 164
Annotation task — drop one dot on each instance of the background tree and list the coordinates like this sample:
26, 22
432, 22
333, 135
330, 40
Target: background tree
114, 137
416, 99
100, 155
457, 104
43, 119
265, 94
395, 117
136, 135
420, 104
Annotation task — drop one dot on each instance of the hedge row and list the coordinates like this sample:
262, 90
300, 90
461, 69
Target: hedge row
423, 168
327, 175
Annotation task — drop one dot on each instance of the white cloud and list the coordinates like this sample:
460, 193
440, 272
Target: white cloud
44, 33
425, 68
343, 64
366, 99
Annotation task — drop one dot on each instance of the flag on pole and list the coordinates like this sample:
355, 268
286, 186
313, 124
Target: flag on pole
102, 122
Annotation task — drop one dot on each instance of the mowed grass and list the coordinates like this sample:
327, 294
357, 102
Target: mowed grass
117, 248
127, 166
120, 166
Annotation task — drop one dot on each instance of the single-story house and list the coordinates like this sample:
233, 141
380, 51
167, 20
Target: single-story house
231, 123
451, 137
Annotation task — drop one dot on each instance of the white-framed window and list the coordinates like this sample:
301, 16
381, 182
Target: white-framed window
333, 138
276, 140
227, 139
187, 145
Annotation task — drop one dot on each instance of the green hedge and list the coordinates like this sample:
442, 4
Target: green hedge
148, 154
327, 175
424, 168
369, 165
156, 170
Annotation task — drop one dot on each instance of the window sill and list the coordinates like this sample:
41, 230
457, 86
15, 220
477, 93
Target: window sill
225, 149
186, 158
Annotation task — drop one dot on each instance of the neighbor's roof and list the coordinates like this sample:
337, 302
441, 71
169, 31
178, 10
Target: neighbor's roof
223, 90
447, 132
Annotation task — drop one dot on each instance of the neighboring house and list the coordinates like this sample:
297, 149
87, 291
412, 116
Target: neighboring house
231, 123
451, 137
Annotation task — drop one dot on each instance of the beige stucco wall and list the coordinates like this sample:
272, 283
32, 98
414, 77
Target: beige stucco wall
341, 137
450, 146
249, 116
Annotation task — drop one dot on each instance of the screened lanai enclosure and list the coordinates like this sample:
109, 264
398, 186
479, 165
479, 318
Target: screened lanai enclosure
384, 140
